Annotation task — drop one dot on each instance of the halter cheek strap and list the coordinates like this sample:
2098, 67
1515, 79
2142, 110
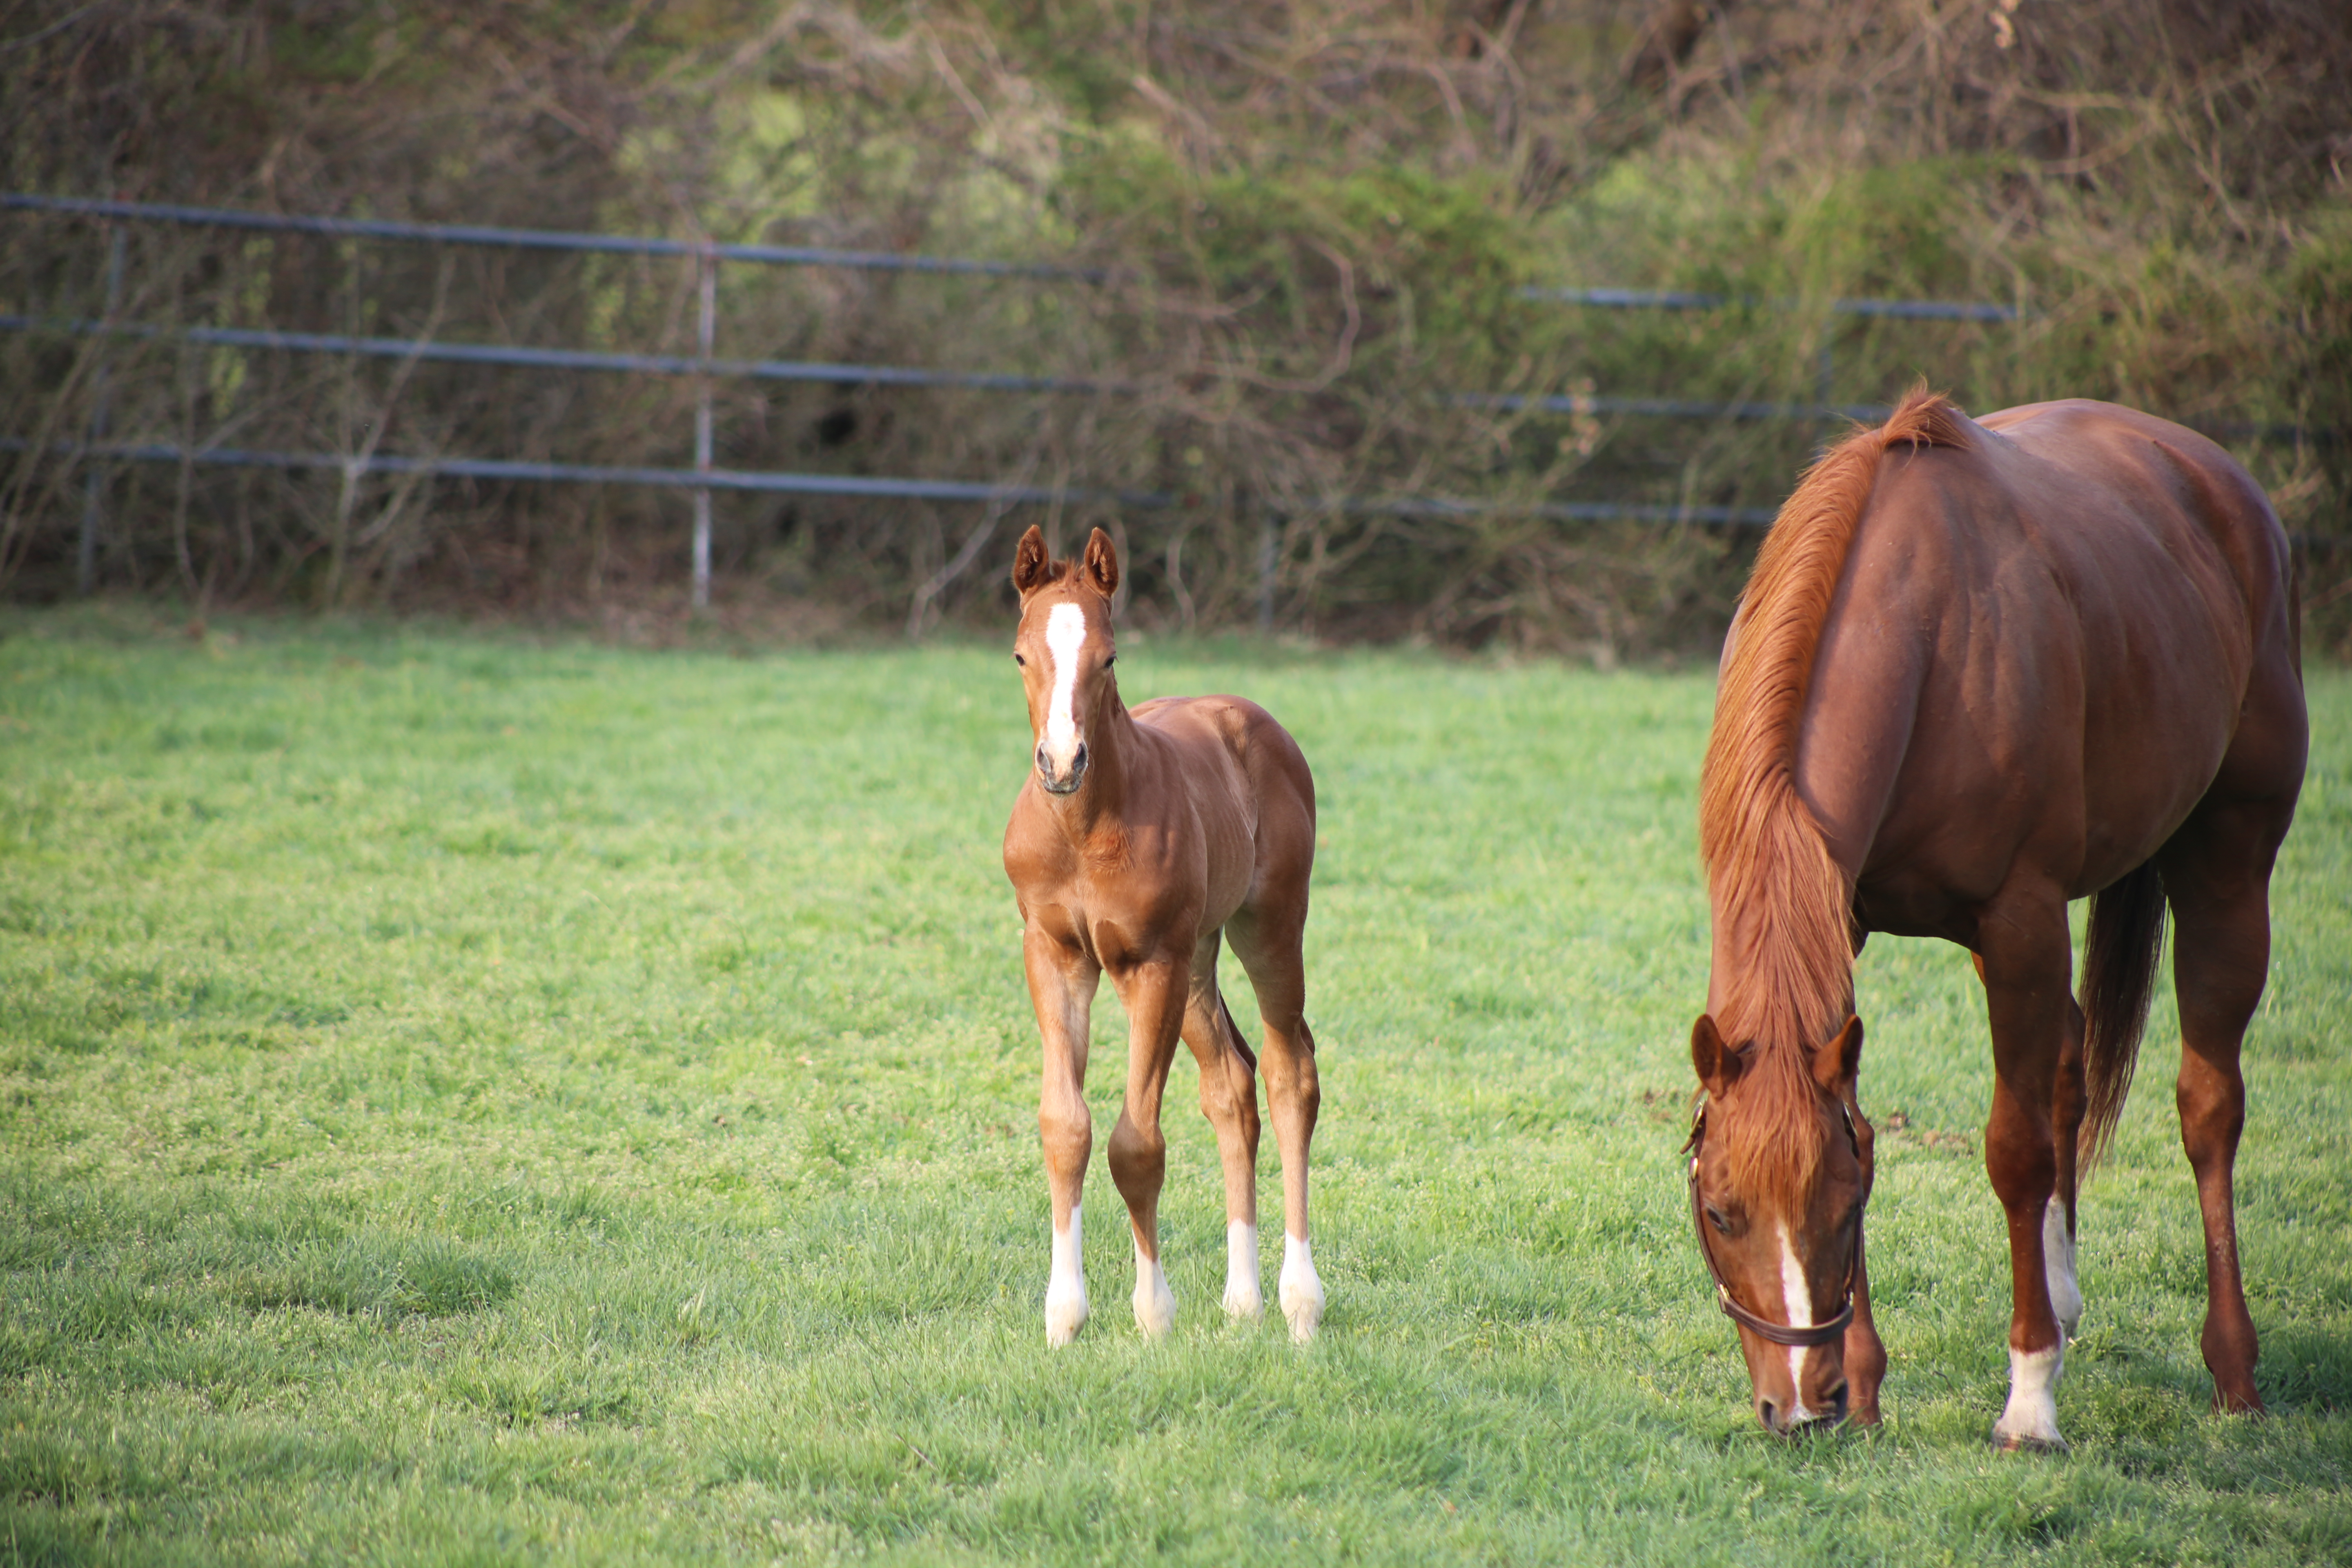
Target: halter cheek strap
1791, 1335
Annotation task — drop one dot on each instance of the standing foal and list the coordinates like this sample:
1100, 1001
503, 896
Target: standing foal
1136, 839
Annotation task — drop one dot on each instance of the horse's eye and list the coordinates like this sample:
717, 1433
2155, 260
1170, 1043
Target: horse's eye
1019, 661
1111, 660
1717, 1217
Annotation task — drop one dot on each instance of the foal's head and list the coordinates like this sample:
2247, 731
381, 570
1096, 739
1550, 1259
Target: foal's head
1781, 1167
1065, 651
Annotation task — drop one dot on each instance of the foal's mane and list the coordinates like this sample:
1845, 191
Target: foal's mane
1791, 980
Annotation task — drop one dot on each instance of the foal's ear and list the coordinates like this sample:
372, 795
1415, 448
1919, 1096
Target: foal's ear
1717, 1065
1101, 564
1836, 1064
1032, 565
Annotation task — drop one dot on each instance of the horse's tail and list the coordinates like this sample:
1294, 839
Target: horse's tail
2120, 955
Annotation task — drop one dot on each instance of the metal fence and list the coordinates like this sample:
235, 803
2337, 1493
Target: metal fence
704, 478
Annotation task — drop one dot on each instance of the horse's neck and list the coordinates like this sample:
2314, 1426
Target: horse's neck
1100, 801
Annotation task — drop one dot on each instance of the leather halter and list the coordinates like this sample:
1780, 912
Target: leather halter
1787, 1334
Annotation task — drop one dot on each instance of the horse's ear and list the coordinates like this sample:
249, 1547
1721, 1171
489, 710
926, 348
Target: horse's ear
1032, 564
1716, 1064
1101, 565
1836, 1064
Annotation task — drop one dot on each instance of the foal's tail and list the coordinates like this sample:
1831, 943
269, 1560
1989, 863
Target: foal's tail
2119, 954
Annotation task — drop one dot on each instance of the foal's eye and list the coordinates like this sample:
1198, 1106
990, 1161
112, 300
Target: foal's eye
1717, 1218
1111, 660
1019, 661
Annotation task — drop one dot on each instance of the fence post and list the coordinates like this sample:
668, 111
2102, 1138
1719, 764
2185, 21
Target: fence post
1266, 528
706, 339
93, 473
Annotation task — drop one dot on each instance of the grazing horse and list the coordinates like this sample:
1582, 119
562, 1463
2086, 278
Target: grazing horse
1140, 837
1983, 668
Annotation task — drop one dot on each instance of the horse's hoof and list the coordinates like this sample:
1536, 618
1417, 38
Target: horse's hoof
1155, 1305
1247, 1305
2019, 1443
1301, 1292
1066, 1314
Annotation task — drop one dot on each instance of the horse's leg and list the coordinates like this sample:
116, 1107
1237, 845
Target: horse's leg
1153, 992
1229, 1099
2021, 938
1268, 940
2068, 1103
1864, 1357
1062, 981
2217, 878
2069, 1100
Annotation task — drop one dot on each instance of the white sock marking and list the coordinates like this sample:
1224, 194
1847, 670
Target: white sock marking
1301, 1289
1066, 634
2032, 1415
1066, 1292
2058, 1261
1799, 1298
1243, 1298
1155, 1303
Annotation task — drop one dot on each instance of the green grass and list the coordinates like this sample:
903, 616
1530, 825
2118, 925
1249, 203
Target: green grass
467, 1099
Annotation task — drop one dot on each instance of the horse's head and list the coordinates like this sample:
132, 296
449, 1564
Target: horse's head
1064, 651
1781, 1167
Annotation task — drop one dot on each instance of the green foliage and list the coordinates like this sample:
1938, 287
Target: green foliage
1308, 227
535, 1101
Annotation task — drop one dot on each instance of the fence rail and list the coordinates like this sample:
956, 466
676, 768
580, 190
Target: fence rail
705, 476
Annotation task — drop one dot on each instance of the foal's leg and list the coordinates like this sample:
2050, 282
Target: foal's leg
2022, 941
1062, 981
2217, 878
1229, 1099
1153, 992
1268, 942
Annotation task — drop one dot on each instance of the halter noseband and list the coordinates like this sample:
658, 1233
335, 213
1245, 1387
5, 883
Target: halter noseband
1786, 1334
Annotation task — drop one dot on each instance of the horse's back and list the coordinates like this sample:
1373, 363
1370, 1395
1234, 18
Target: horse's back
1237, 757
2047, 633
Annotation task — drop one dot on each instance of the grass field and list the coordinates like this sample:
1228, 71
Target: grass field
465, 1099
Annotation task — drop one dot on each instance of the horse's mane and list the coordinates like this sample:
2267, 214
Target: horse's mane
1790, 984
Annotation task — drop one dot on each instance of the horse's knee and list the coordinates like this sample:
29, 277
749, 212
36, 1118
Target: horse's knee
1139, 1158
1067, 1135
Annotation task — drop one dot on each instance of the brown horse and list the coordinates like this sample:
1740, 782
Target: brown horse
1137, 838
1984, 667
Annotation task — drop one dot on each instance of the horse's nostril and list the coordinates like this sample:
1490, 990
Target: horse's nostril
1769, 1413
1079, 758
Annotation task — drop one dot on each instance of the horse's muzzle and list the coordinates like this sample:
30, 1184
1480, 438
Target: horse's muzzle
1062, 783
1777, 1423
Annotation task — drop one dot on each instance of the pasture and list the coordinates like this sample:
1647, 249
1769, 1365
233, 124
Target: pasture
464, 1099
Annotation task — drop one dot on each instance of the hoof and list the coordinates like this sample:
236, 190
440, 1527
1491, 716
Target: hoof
2019, 1442
2246, 1403
1301, 1292
1248, 1305
1155, 1303
1065, 1316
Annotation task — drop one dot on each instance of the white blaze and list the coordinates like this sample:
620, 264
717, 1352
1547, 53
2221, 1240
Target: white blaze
1800, 1303
1066, 634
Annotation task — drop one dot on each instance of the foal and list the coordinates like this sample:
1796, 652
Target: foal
1137, 838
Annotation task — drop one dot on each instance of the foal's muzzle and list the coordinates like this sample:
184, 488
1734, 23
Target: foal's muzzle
1062, 783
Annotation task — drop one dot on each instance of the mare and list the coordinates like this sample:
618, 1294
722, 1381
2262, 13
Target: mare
1138, 838
1983, 668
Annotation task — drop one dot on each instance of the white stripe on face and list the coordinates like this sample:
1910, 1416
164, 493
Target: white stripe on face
1066, 634
1800, 1303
